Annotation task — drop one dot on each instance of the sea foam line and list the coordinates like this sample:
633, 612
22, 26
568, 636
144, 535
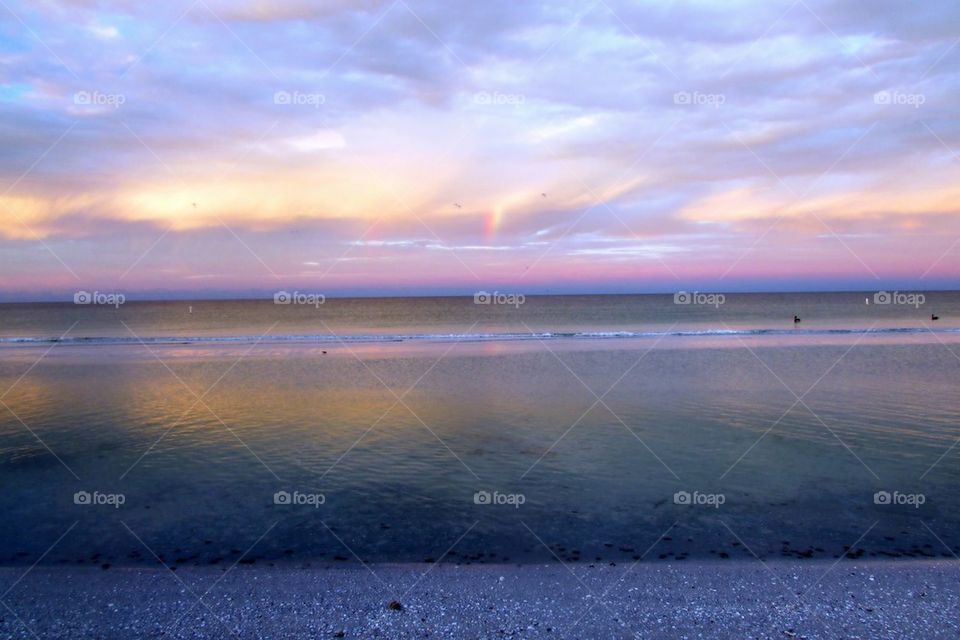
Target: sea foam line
458, 337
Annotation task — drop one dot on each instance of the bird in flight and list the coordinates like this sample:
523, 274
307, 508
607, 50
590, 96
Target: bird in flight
457, 205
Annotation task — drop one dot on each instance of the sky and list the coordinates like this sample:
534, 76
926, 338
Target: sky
238, 147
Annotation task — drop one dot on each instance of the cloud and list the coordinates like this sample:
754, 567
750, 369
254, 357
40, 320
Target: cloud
437, 128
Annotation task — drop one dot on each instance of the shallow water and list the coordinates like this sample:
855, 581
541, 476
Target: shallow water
399, 437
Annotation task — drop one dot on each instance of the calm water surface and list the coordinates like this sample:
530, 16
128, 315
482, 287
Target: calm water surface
587, 446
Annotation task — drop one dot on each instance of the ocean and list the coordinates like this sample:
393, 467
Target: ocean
504, 429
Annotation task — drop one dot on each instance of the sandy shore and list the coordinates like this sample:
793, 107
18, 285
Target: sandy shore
678, 600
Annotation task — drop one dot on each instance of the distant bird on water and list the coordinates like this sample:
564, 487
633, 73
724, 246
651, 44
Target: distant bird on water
934, 317
796, 319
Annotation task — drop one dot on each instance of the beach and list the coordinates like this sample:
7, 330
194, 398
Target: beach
737, 599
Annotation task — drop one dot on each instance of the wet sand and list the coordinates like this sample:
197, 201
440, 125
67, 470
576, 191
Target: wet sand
739, 599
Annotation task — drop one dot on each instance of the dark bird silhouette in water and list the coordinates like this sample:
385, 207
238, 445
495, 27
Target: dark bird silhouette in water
934, 317
457, 205
796, 319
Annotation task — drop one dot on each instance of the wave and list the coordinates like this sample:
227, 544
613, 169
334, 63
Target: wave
456, 337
